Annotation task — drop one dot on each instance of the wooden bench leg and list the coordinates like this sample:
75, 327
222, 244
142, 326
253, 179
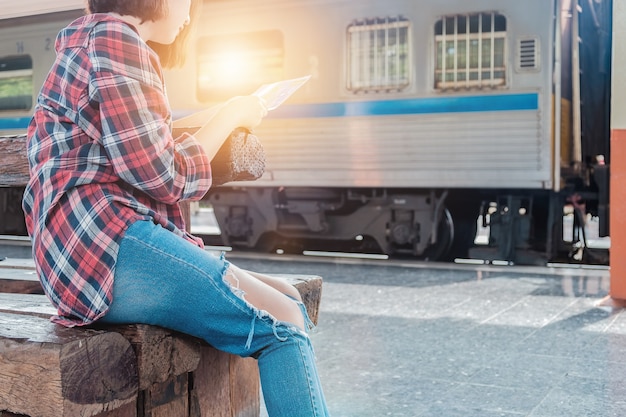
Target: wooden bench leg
165, 399
226, 385
128, 410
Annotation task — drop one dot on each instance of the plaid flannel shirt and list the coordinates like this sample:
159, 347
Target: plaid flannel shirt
102, 156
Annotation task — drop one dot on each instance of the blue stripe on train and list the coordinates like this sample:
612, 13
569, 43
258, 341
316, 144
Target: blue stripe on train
502, 102
14, 123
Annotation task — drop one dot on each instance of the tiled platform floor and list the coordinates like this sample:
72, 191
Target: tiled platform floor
472, 341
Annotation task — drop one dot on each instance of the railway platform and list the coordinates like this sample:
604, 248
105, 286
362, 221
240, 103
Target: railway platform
422, 340
447, 340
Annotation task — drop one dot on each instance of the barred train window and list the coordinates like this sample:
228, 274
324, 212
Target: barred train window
238, 64
16, 82
470, 51
378, 54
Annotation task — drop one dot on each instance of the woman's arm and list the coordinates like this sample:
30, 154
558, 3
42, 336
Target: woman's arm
197, 119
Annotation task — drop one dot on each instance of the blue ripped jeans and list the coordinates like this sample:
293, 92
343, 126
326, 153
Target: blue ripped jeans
161, 279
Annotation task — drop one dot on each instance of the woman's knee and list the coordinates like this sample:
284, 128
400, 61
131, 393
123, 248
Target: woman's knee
265, 297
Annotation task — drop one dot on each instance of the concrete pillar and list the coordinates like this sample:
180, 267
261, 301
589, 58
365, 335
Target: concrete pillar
618, 156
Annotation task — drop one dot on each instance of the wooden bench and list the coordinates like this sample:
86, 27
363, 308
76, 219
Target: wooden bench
119, 371
47, 370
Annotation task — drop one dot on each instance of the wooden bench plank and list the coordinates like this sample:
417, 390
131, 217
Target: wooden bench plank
70, 372
19, 280
161, 353
26, 263
28, 304
14, 167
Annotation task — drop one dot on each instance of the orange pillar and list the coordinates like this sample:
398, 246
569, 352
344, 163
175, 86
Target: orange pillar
618, 215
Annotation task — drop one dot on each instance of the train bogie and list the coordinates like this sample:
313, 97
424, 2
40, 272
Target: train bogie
304, 218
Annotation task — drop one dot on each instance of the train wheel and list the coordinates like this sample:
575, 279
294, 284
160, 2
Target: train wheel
464, 237
465, 217
445, 236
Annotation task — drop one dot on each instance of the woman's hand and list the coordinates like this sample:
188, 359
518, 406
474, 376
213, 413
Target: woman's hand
245, 111
242, 111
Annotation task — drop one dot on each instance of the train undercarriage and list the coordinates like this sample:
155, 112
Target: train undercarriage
524, 227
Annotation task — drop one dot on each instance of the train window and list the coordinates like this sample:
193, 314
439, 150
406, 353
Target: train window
470, 51
237, 64
16, 82
378, 54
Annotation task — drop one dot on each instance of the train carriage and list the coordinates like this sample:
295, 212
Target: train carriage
419, 117
27, 34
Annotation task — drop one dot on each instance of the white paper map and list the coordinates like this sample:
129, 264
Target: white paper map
276, 93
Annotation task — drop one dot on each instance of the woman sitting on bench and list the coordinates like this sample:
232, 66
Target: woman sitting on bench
109, 239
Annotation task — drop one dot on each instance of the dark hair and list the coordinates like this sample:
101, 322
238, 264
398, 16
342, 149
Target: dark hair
142, 9
172, 55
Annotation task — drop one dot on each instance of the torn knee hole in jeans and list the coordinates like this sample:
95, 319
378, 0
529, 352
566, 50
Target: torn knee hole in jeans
233, 283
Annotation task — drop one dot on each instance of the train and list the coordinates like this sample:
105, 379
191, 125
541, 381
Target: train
422, 121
